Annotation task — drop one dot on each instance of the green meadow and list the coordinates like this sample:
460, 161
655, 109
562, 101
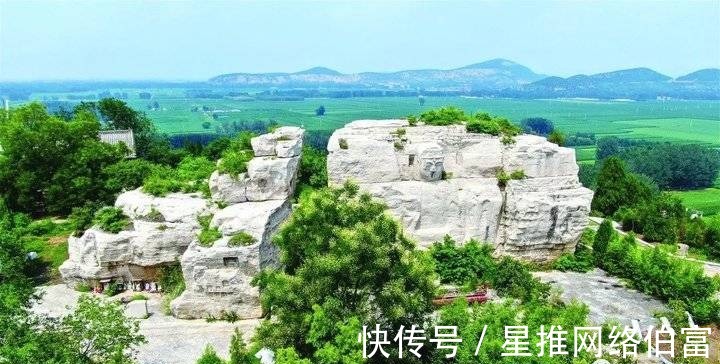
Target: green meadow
676, 121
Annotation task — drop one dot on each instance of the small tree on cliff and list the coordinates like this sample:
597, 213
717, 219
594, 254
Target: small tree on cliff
346, 264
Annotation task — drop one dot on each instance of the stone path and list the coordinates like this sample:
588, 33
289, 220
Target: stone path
606, 296
169, 340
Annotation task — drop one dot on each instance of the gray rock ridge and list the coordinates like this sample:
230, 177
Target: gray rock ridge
442, 180
165, 229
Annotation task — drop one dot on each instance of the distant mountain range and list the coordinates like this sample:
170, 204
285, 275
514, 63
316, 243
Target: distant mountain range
497, 77
496, 74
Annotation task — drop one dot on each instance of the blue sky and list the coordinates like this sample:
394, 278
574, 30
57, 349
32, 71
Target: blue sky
194, 40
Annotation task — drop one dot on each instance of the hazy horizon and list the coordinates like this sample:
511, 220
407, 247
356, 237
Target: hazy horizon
193, 41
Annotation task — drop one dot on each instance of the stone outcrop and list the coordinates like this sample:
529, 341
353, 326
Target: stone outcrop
162, 229
441, 180
218, 277
165, 230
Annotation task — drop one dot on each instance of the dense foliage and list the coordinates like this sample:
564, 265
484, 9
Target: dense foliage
659, 274
237, 155
312, 172
345, 262
190, 176
472, 264
617, 187
49, 164
111, 219
96, 332
670, 166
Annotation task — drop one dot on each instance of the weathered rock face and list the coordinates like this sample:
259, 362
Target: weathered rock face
162, 228
165, 229
442, 180
217, 278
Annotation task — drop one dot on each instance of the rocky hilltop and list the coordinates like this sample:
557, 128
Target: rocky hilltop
442, 180
165, 230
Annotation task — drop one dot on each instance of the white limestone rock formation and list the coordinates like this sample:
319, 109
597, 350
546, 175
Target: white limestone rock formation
217, 277
165, 230
162, 228
442, 180
270, 175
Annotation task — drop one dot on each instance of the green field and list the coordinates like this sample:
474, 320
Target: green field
706, 200
678, 121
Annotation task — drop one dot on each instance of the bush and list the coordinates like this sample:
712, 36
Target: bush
412, 120
238, 351
111, 219
128, 174
40, 227
83, 287
473, 264
342, 143
209, 356
190, 176
81, 218
112, 289
470, 264
557, 137
513, 279
581, 261
444, 116
242, 239
172, 282
602, 238
209, 234
312, 171
659, 274
538, 126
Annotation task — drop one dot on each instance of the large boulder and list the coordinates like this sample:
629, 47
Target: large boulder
442, 180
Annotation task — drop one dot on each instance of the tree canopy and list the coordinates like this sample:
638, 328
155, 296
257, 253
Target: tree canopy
346, 263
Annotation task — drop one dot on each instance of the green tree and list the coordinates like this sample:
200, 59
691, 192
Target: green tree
36, 146
343, 255
616, 187
209, 356
238, 352
99, 331
602, 238
313, 169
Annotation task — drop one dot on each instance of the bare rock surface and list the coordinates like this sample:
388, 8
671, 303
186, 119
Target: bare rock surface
607, 297
442, 180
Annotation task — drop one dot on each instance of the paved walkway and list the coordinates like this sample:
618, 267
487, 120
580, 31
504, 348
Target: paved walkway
711, 268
